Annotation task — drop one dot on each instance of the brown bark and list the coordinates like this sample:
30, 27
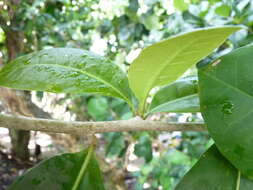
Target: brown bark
12, 101
19, 138
14, 43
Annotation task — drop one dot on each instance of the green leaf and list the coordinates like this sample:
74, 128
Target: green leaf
116, 145
166, 61
214, 172
212, 2
226, 99
180, 5
98, 108
150, 21
2, 36
66, 70
223, 10
176, 157
180, 96
63, 172
144, 147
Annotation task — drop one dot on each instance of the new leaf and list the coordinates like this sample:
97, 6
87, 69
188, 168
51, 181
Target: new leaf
180, 96
166, 61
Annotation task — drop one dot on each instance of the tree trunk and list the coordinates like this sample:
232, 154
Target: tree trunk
17, 102
19, 139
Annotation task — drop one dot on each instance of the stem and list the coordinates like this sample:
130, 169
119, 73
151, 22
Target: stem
142, 108
83, 168
238, 181
86, 128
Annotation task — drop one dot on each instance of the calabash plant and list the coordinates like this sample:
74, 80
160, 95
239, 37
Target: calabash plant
224, 88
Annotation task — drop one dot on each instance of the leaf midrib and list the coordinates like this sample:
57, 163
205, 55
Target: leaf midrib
85, 73
235, 89
171, 60
238, 181
163, 67
228, 85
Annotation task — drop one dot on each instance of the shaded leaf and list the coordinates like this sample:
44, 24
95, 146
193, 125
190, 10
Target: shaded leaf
180, 96
60, 173
98, 108
177, 157
166, 61
66, 70
121, 109
214, 172
226, 99
116, 145
144, 147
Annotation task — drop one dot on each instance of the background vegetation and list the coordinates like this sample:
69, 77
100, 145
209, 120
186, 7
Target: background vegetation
117, 29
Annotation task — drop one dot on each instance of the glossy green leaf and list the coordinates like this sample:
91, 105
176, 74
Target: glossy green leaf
214, 172
61, 173
180, 96
166, 61
226, 99
66, 70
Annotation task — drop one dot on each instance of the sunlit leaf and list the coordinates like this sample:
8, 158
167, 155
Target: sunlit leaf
181, 5
223, 10
166, 61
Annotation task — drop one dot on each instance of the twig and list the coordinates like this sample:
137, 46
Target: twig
85, 128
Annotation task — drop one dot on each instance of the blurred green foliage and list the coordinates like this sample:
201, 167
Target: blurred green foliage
144, 147
118, 29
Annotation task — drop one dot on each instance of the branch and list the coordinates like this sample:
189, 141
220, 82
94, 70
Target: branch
85, 128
